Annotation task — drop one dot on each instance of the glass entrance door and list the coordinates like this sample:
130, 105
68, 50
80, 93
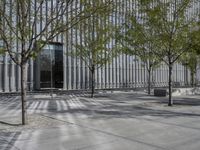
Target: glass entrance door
50, 66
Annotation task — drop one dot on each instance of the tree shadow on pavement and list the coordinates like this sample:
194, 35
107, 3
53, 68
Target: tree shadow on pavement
8, 139
10, 124
115, 107
134, 105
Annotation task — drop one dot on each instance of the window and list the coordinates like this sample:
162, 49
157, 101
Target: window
51, 66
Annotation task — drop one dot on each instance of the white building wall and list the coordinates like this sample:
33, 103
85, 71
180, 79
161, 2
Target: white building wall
123, 72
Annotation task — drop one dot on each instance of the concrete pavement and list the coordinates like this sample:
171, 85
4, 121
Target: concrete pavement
118, 121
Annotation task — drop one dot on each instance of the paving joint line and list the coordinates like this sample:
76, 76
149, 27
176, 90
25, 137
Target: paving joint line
109, 133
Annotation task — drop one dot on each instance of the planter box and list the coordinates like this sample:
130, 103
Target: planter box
160, 92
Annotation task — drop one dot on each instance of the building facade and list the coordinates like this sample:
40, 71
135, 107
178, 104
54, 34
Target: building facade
56, 68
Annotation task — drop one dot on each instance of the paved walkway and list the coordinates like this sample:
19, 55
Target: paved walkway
118, 121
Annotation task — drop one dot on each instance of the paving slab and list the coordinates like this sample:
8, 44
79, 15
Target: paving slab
110, 121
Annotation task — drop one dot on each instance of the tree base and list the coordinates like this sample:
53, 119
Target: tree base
169, 104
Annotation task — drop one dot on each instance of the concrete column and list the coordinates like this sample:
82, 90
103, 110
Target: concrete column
31, 73
1, 75
6, 79
64, 69
69, 73
12, 77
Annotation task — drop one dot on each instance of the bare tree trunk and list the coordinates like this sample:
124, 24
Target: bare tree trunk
170, 103
149, 81
23, 93
93, 82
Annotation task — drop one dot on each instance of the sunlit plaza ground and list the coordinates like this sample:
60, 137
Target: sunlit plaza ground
110, 121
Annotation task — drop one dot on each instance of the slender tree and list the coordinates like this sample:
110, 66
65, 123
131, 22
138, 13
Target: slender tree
172, 22
191, 58
95, 46
191, 61
26, 26
136, 39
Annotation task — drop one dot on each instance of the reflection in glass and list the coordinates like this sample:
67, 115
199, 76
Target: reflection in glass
51, 63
